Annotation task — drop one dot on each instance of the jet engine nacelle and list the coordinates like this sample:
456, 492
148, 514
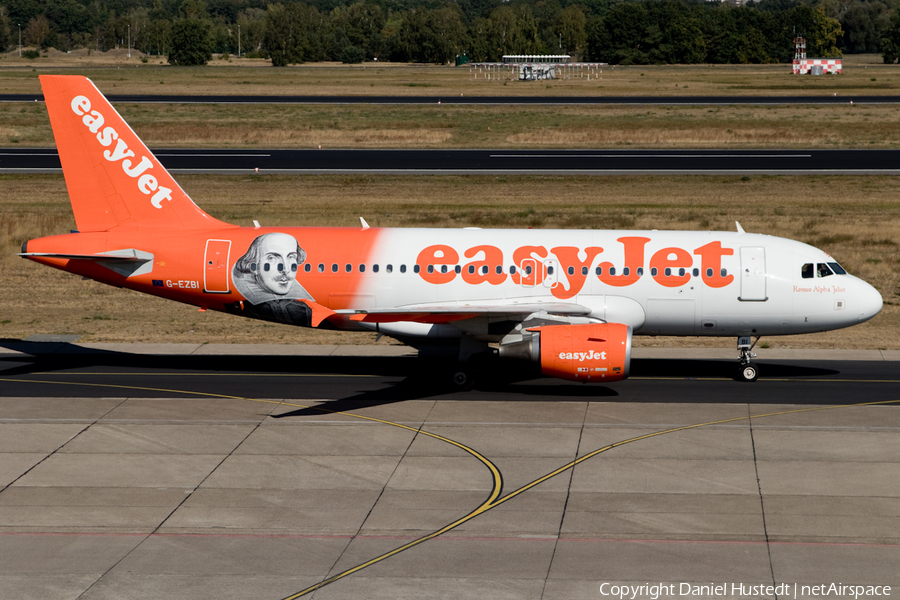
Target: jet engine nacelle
584, 352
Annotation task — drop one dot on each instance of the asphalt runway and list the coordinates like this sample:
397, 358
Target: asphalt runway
510, 100
558, 162
285, 476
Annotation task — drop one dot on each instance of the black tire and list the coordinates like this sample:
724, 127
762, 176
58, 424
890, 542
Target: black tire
748, 372
463, 379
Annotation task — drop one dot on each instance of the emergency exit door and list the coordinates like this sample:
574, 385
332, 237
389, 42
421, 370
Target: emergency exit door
215, 267
753, 274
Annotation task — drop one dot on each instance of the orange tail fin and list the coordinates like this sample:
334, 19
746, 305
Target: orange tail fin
112, 178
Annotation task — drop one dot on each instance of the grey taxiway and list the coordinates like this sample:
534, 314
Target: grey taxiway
204, 471
494, 162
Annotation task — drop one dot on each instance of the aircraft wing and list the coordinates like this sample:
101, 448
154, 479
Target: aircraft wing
446, 313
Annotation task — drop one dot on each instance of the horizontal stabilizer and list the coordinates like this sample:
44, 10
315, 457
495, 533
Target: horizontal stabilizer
116, 255
125, 262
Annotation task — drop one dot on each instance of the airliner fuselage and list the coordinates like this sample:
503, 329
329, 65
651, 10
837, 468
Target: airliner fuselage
658, 282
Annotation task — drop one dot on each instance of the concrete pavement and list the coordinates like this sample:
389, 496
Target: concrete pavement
121, 495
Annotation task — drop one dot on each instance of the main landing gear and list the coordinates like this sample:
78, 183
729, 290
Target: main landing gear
749, 371
473, 356
464, 378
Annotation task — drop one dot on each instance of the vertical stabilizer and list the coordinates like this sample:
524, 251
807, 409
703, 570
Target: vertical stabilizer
112, 178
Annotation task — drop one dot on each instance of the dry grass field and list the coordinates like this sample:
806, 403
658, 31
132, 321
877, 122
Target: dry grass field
453, 126
447, 126
856, 219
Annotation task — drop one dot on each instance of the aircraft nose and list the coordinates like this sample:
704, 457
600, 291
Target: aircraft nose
870, 302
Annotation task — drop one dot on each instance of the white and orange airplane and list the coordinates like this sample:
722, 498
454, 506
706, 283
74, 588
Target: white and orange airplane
569, 301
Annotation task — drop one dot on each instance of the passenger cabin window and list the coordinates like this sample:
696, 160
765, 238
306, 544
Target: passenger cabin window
415, 268
806, 271
512, 270
348, 267
528, 269
584, 270
389, 268
471, 269
571, 270
443, 268
599, 270
321, 268
374, 268
696, 272
403, 268
612, 270
362, 268
626, 271
307, 267
640, 271
499, 270
334, 267
822, 270
549, 270
457, 269
431, 268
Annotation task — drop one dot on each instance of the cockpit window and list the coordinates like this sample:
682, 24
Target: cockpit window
838, 269
822, 270
807, 271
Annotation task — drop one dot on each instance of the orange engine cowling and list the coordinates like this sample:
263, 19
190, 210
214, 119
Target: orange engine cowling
588, 352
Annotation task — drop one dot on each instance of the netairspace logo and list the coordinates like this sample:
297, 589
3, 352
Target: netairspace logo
737, 590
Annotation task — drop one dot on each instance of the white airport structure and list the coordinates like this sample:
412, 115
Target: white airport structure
813, 66
534, 67
817, 66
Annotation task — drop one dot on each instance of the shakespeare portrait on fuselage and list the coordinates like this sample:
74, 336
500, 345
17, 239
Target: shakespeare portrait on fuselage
567, 301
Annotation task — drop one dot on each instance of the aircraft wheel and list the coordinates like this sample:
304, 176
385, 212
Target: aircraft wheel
749, 372
463, 379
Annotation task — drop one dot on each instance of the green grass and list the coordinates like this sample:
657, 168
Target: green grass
258, 77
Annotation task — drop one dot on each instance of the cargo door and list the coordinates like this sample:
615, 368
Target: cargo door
753, 274
671, 316
216, 267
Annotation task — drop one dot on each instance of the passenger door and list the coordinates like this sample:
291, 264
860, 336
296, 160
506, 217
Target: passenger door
753, 274
215, 267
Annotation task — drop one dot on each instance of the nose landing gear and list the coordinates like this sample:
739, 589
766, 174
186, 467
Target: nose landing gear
748, 371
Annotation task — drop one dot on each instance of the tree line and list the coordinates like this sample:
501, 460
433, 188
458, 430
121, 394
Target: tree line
436, 31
